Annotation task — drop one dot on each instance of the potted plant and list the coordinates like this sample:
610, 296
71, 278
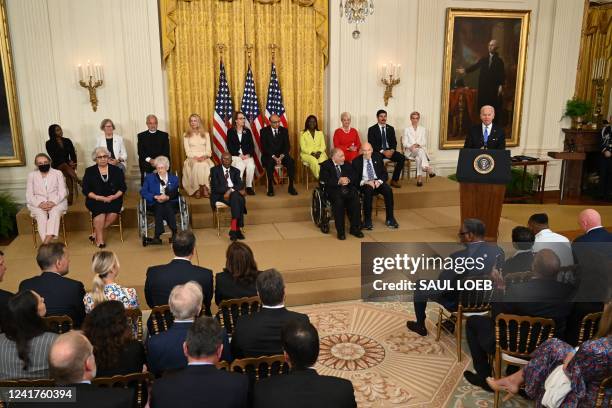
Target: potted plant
8, 211
576, 109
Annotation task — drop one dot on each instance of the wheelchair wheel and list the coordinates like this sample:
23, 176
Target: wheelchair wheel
142, 219
316, 207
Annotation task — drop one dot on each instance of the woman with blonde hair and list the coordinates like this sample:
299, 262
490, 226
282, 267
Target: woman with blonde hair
105, 266
198, 150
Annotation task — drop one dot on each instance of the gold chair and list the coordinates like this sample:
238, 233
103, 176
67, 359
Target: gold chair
35, 229
58, 324
221, 209
261, 367
134, 317
471, 303
601, 392
518, 277
223, 365
117, 224
231, 309
139, 381
588, 326
161, 318
280, 176
515, 346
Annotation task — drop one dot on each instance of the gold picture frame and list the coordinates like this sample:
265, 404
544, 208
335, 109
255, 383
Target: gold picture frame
11, 143
468, 45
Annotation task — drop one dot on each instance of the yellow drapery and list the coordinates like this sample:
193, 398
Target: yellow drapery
596, 43
190, 29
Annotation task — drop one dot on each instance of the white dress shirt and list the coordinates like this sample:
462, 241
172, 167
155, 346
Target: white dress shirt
560, 245
229, 177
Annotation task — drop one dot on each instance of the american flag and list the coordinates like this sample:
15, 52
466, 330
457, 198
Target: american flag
254, 121
274, 105
223, 114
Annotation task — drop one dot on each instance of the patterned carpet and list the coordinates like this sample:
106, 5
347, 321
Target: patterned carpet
368, 343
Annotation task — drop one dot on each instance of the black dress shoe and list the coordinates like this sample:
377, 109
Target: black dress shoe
357, 234
233, 236
476, 380
102, 245
239, 234
417, 328
292, 191
432, 175
341, 236
250, 191
391, 223
155, 241
419, 184
270, 193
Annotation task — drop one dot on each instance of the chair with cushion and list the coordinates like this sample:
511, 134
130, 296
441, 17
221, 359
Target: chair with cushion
117, 224
280, 176
161, 319
588, 326
231, 309
258, 368
58, 324
134, 317
35, 229
138, 381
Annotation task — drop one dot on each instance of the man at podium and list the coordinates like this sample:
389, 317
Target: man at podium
486, 134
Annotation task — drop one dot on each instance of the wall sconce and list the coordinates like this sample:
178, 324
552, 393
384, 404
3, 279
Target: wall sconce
91, 77
389, 78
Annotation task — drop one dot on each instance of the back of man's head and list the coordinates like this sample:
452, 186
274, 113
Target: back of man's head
204, 337
183, 243
301, 343
71, 359
49, 254
589, 219
270, 287
546, 264
538, 222
522, 238
185, 301
475, 227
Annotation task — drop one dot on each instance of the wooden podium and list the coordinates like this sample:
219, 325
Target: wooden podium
482, 188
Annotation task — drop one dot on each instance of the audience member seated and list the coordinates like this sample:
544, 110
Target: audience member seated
340, 184
590, 222
226, 187
347, 138
162, 279
161, 190
259, 334
472, 235
522, 241
117, 153
373, 181
198, 151
46, 197
63, 157
303, 386
4, 294
63, 296
312, 145
115, 349
200, 384
241, 146
584, 369
414, 142
151, 144
238, 278
275, 151
25, 343
382, 138
543, 296
545, 238
103, 187
165, 350
105, 266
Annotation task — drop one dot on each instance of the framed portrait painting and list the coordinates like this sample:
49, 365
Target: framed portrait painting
11, 142
484, 64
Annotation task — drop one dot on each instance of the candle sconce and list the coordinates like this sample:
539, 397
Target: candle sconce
91, 78
390, 78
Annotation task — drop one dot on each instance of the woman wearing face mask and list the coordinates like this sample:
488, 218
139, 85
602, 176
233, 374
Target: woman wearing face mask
46, 197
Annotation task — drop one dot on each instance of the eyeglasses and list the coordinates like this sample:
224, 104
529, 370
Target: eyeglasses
102, 157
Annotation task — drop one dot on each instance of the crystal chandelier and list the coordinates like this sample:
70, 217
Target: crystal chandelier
356, 12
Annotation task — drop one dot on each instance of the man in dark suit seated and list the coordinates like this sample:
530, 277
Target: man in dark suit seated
590, 222
63, 296
151, 144
340, 183
382, 138
161, 279
226, 187
522, 240
369, 165
486, 134
542, 297
303, 387
472, 235
200, 383
4, 295
259, 334
275, 148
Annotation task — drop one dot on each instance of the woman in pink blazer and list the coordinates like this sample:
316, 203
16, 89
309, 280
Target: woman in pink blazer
46, 197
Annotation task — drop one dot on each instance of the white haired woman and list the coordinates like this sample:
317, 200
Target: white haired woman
198, 149
160, 190
103, 187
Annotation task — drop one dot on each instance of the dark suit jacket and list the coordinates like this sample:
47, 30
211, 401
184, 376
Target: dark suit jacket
329, 176
377, 163
259, 334
162, 278
304, 389
165, 350
489, 78
218, 184
227, 288
152, 145
375, 137
63, 296
91, 396
475, 139
4, 298
234, 145
200, 386
274, 146
595, 235
520, 262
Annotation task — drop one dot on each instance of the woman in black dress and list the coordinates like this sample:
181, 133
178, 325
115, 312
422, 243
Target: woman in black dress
238, 278
63, 157
103, 185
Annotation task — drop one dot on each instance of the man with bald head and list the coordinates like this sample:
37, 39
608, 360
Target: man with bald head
369, 165
590, 222
486, 135
275, 149
226, 187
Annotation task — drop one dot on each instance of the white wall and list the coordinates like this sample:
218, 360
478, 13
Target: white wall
49, 38
411, 32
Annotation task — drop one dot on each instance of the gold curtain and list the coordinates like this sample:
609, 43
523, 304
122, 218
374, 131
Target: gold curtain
596, 43
190, 30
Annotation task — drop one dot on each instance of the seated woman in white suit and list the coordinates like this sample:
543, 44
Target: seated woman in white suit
414, 142
114, 144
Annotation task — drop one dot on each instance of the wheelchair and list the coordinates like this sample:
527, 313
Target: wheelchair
321, 209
